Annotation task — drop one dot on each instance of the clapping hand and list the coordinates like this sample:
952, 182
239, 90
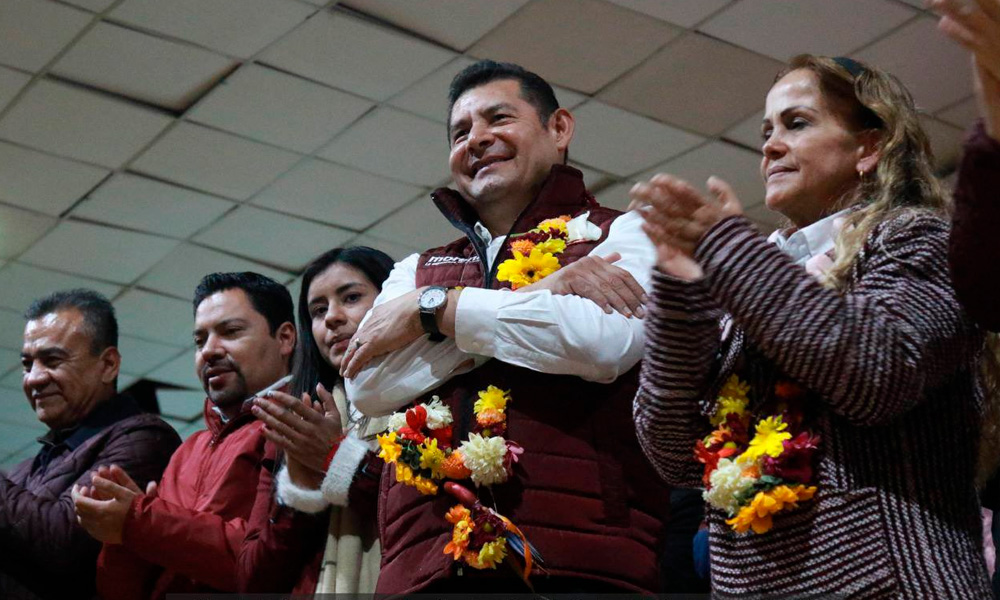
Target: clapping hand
678, 216
975, 24
102, 508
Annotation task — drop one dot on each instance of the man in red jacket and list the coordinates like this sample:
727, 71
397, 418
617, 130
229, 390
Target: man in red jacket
184, 536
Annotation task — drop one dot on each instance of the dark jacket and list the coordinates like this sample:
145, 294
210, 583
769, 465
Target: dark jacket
974, 252
45, 552
187, 538
582, 492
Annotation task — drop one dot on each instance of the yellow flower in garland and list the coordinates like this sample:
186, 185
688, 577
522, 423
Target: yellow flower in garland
556, 224
768, 439
492, 553
492, 397
425, 486
757, 515
552, 245
734, 388
404, 474
729, 405
524, 270
390, 448
431, 457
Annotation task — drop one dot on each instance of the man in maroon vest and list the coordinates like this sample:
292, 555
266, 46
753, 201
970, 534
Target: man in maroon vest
582, 491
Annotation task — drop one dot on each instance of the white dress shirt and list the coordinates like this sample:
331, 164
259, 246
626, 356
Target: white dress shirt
548, 333
812, 240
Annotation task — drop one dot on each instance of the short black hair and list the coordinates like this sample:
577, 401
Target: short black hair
267, 296
310, 368
535, 90
98, 314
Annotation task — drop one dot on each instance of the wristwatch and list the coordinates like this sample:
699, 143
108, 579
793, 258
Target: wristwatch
431, 300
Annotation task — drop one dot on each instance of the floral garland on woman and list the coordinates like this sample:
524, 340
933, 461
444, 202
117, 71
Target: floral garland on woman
754, 478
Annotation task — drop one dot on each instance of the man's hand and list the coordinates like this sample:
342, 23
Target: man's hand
390, 326
103, 508
975, 24
304, 429
598, 280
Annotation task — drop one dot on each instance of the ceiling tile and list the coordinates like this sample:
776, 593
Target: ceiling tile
22, 284
77, 123
19, 228
355, 55
9, 361
747, 132
394, 144
179, 371
418, 225
43, 182
143, 67
181, 404
590, 176
91, 5
141, 203
397, 251
141, 356
457, 25
963, 114
11, 82
934, 69
213, 161
33, 32
338, 195
429, 96
682, 12
568, 99
623, 143
239, 28
581, 44
615, 196
14, 408
815, 26
155, 318
278, 108
14, 438
179, 273
11, 329
946, 142
271, 237
98, 251
698, 83
737, 166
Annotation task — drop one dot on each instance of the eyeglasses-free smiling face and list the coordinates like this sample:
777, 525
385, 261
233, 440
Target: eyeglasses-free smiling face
810, 157
500, 149
339, 298
235, 353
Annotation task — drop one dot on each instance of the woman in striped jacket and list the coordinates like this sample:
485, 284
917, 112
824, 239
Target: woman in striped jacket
821, 385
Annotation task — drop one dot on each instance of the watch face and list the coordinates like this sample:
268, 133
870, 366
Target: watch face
433, 298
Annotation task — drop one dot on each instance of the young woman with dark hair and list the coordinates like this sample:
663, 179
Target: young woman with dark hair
326, 446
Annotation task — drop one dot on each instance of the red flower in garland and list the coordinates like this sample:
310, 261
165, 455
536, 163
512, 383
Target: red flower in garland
711, 458
443, 436
416, 420
795, 461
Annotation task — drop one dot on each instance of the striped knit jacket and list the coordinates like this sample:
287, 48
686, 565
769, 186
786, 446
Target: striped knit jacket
891, 365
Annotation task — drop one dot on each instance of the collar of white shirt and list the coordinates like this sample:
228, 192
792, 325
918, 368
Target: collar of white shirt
811, 240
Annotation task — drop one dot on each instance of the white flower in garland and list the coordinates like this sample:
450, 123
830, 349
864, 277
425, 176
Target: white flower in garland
438, 415
727, 482
484, 457
580, 229
397, 420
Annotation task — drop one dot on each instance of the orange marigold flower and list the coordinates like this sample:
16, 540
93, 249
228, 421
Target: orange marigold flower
523, 246
453, 467
489, 417
459, 543
757, 515
457, 513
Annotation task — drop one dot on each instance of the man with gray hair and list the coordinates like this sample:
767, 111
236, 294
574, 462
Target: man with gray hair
71, 361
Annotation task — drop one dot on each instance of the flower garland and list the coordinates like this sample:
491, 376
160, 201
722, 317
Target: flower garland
535, 250
419, 443
754, 478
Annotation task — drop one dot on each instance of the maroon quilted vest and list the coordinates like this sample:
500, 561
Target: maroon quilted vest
583, 492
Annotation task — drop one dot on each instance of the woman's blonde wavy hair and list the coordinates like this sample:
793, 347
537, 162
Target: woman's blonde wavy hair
903, 182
